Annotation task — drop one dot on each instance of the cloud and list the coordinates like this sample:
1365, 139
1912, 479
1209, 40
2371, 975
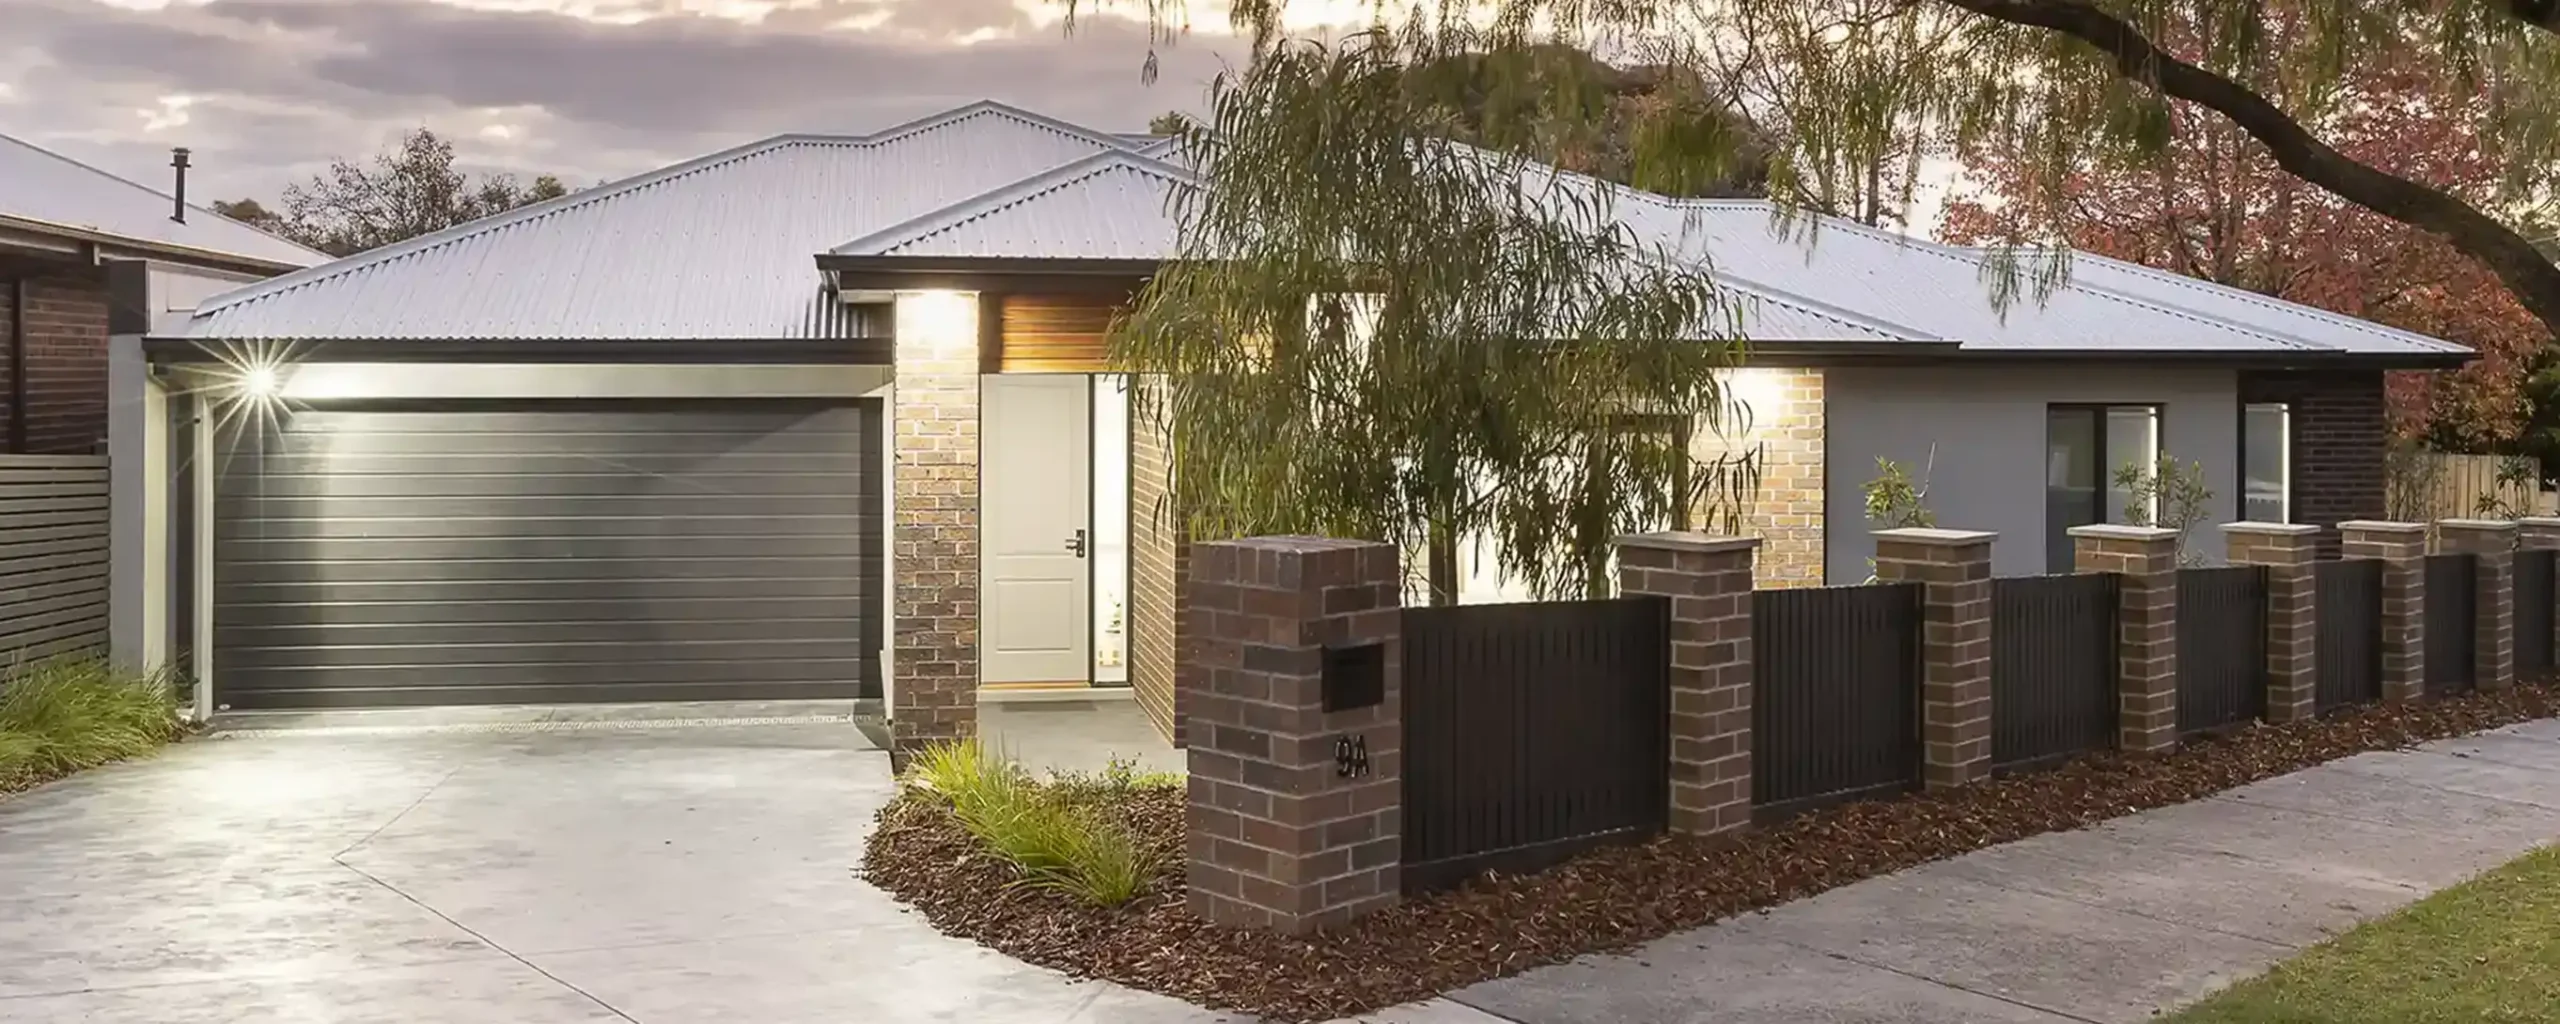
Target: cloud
268, 91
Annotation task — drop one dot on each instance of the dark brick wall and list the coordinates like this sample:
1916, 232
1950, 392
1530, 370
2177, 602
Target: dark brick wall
65, 325
2338, 440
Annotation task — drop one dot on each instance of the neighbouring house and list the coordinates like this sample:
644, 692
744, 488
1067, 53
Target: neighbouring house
827, 416
83, 252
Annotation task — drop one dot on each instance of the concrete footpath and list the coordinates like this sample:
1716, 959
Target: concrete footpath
2108, 924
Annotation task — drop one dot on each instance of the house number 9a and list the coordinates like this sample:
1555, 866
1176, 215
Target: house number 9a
1351, 756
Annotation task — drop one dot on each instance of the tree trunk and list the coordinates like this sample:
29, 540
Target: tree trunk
2525, 271
1441, 563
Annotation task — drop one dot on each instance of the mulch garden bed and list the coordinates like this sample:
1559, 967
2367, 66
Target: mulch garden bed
1606, 900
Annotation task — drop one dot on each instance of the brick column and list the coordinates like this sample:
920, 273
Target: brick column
2402, 550
2288, 551
1280, 837
2540, 533
2492, 543
2145, 560
1953, 568
1708, 580
933, 667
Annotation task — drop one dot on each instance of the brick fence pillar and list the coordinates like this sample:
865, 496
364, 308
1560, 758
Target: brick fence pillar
1708, 580
2145, 560
2288, 551
2492, 543
1283, 835
2402, 550
1953, 568
2540, 533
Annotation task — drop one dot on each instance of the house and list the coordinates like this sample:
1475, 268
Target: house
823, 416
78, 248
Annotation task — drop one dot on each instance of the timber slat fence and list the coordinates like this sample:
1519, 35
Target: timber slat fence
53, 556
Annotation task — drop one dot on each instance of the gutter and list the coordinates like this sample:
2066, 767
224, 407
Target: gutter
215, 258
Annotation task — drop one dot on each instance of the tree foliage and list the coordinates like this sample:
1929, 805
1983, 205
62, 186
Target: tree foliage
2215, 205
1376, 332
408, 190
2066, 84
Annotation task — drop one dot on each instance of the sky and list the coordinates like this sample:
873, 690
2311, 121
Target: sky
268, 92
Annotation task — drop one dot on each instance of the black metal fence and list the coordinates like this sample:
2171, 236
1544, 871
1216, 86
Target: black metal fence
2348, 602
2534, 612
1835, 695
1532, 731
2053, 667
2222, 647
2450, 608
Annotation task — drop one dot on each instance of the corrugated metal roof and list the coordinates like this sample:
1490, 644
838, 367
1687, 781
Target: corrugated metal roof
1114, 205
718, 247
50, 189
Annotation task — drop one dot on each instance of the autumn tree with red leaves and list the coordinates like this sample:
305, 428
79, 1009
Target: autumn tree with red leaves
2216, 205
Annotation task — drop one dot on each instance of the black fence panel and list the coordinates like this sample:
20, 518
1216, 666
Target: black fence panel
2053, 667
1835, 695
2534, 611
2222, 647
2348, 601
2451, 602
1532, 732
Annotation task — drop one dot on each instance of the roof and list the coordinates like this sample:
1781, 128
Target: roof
718, 247
44, 191
723, 247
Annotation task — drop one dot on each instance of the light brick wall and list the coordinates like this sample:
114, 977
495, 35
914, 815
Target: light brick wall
66, 358
1159, 559
1786, 425
934, 624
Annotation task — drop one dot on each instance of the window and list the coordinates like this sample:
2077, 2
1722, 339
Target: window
2084, 446
2266, 462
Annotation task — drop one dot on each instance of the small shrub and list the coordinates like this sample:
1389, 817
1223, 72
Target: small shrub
1052, 833
2176, 491
66, 714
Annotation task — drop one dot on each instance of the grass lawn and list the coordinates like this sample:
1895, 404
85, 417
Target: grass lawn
2486, 950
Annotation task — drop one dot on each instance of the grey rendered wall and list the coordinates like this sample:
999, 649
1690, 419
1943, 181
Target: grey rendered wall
1988, 425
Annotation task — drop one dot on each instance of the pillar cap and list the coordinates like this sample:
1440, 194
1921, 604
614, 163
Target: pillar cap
1688, 540
2119, 531
2382, 526
1294, 543
1933, 535
2271, 529
2484, 525
2543, 522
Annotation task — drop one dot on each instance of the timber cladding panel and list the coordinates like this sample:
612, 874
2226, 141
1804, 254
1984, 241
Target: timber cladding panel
53, 556
1050, 333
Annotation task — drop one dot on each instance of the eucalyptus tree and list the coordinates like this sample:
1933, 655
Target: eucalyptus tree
1376, 331
2071, 83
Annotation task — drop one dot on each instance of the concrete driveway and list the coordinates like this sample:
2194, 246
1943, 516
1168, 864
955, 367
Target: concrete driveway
517, 871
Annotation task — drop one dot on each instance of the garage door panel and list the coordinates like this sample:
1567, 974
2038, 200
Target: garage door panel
601, 550
530, 527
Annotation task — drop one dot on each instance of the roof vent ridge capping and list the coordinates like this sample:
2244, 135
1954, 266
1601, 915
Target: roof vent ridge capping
2253, 298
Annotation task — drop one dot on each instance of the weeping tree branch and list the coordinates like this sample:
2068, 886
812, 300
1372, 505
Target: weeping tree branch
2525, 271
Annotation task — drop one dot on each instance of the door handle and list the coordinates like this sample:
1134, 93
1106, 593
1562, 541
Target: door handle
1076, 543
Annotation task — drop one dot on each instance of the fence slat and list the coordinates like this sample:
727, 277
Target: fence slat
2449, 612
2053, 667
1532, 731
1835, 698
2533, 576
53, 555
2222, 647
2348, 598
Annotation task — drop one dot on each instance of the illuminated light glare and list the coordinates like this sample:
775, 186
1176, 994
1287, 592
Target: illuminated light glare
259, 382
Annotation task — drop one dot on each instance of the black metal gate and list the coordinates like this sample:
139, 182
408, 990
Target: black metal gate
2053, 667
2452, 596
1532, 731
1835, 695
2533, 613
2348, 599
2222, 647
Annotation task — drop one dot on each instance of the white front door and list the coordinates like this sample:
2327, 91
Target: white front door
1035, 479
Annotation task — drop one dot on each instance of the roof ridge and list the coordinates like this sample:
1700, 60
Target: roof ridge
156, 193
1007, 196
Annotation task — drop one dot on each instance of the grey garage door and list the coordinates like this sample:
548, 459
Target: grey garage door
491, 553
